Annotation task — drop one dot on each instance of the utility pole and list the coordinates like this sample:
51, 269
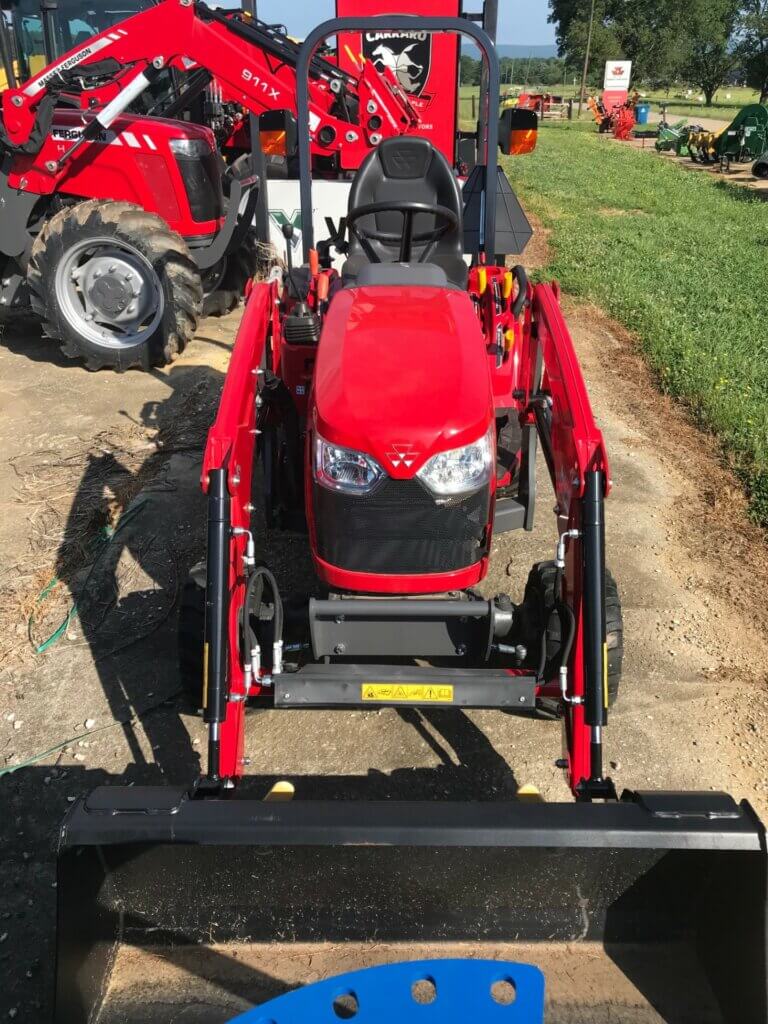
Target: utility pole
586, 56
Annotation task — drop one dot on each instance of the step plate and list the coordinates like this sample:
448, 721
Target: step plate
372, 686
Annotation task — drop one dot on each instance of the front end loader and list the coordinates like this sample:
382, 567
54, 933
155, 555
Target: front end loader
395, 410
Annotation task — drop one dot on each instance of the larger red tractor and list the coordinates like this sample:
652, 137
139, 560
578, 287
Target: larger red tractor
397, 407
120, 229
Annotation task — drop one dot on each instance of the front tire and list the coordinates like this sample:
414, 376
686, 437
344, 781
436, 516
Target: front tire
115, 285
539, 601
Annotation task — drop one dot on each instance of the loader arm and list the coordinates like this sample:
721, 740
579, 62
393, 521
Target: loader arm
252, 65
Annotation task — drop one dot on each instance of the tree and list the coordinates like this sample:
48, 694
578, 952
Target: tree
707, 55
664, 39
469, 70
752, 45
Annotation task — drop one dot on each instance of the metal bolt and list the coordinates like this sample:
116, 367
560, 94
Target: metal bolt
112, 268
51, 165
339, 648
235, 479
127, 277
249, 507
23, 183
88, 316
97, 273
17, 101
371, 107
158, 61
351, 136
131, 308
245, 761
521, 699
286, 696
375, 138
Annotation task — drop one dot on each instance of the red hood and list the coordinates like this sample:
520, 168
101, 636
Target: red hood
402, 373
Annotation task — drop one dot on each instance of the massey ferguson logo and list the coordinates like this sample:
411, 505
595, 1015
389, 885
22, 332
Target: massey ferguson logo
402, 455
618, 71
407, 55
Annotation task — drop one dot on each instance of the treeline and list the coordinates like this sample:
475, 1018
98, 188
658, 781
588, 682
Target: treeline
704, 43
521, 70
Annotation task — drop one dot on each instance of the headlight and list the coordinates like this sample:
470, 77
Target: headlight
342, 469
460, 470
190, 147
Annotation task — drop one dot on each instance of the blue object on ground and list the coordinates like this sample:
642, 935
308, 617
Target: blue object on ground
415, 992
642, 110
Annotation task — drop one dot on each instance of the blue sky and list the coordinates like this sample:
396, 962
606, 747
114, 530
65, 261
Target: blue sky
520, 21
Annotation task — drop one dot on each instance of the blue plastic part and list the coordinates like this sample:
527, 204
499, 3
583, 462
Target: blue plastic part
383, 995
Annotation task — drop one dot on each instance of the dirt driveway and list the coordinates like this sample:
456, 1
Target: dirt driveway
101, 698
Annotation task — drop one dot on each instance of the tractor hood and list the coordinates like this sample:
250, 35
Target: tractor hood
402, 373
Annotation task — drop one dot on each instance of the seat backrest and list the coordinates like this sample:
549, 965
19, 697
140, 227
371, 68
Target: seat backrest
407, 169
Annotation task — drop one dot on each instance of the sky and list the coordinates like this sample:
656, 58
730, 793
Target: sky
520, 21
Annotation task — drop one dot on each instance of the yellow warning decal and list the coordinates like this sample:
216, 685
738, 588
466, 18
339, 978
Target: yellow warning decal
417, 693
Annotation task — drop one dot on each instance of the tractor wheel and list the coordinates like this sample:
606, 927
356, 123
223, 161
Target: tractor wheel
191, 635
224, 285
539, 600
115, 285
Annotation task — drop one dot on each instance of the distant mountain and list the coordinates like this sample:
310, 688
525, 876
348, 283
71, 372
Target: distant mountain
514, 50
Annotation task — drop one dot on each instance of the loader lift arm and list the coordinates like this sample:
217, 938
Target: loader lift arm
253, 64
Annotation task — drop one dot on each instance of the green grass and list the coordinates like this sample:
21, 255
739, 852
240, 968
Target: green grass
678, 104
677, 258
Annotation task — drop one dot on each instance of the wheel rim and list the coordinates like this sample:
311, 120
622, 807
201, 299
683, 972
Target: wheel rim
109, 293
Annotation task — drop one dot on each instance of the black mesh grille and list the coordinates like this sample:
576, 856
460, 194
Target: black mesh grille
400, 528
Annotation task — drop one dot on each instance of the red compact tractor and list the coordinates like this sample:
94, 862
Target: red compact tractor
395, 409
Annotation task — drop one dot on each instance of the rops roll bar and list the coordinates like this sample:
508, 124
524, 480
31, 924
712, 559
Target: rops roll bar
489, 111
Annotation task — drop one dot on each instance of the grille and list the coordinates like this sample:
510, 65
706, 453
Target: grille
401, 529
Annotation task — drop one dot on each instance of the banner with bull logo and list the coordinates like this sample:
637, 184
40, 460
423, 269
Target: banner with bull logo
425, 65
408, 55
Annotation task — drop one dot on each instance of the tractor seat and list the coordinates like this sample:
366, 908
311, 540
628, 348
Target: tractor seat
406, 169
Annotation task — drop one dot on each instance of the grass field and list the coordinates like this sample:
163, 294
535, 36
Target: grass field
727, 102
677, 258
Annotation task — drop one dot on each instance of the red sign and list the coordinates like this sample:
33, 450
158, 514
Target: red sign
425, 65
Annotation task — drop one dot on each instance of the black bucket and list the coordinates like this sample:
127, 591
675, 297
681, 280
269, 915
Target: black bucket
652, 909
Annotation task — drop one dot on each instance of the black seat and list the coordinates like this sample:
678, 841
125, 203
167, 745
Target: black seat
406, 169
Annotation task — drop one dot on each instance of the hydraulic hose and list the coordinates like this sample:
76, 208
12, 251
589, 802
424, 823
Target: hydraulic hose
254, 593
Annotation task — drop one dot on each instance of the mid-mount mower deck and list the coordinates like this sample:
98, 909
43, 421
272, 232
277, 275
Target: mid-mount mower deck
396, 408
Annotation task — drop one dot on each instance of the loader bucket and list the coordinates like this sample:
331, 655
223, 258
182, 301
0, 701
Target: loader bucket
651, 909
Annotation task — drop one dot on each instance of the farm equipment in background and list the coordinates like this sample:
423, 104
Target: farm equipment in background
743, 141
760, 167
674, 138
396, 409
618, 117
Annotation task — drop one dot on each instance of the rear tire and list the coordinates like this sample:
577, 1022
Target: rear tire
539, 601
191, 636
239, 267
142, 267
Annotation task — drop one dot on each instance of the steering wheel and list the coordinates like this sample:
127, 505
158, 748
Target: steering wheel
445, 217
